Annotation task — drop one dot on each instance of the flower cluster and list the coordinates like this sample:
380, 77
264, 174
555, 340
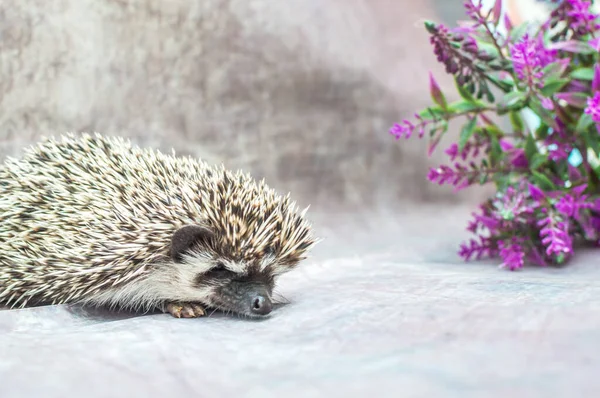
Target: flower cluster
529, 57
547, 175
576, 15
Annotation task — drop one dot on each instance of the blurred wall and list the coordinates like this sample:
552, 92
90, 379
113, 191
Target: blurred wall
301, 92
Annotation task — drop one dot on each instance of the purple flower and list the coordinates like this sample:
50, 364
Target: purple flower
559, 142
513, 204
545, 55
522, 222
555, 236
536, 193
516, 156
473, 9
571, 204
477, 250
593, 107
558, 151
460, 176
459, 52
404, 129
595, 43
595, 223
447, 175
567, 205
518, 159
471, 148
582, 19
547, 103
483, 220
574, 173
505, 145
529, 57
452, 152
596, 79
440, 39
407, 128
536, 257
512, 254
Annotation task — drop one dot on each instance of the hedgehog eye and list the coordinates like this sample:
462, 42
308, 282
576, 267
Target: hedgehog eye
219, 267
219, 270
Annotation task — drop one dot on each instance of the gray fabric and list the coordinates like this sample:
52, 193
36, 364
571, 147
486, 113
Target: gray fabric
393, 316
300, 92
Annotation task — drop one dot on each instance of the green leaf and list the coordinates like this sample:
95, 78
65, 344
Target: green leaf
483, 178
592, 141
554, 70
488, 48
492, 130
503, 84
513, 99
431, 27
577, 100
573, 46
502, 181
583, 74
431, 113
442, 127
518, 32
584, 122
497, 12
517, 122
537, 160
465, 106
471, 88
466, 133
542, 181
544, 114
495, 150
553, 86
542, 132
433, 143
436, 93
530, 147
464, 93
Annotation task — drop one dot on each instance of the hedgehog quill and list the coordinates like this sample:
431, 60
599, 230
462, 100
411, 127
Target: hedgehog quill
95, 220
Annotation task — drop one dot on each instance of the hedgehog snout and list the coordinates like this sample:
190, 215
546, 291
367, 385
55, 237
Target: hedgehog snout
261, 304
250, 298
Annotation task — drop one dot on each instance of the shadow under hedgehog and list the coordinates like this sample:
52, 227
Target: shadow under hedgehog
93, 220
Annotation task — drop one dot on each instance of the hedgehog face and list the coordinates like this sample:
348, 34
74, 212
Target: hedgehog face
242, 286
247, 293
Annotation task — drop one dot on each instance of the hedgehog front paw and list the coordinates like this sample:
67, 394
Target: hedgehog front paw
185, 310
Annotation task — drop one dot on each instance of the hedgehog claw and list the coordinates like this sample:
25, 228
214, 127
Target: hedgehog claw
185, 310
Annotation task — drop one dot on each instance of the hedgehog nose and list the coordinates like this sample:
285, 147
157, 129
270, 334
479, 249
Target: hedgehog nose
261, 305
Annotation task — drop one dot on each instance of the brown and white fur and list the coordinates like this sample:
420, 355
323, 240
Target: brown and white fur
94, 220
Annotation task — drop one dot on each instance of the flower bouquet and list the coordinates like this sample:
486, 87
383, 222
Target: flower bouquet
530, 106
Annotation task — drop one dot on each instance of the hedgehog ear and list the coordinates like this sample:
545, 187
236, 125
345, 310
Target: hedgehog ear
185, 237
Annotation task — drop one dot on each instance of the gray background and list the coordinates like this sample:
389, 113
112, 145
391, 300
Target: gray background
300, 92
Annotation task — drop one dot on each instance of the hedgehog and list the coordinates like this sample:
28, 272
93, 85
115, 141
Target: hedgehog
94, 220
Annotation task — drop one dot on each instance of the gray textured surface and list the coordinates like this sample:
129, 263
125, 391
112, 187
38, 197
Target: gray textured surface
300, 92
396, 316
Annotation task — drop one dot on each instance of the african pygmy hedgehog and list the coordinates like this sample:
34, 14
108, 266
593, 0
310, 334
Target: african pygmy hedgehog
95, 220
